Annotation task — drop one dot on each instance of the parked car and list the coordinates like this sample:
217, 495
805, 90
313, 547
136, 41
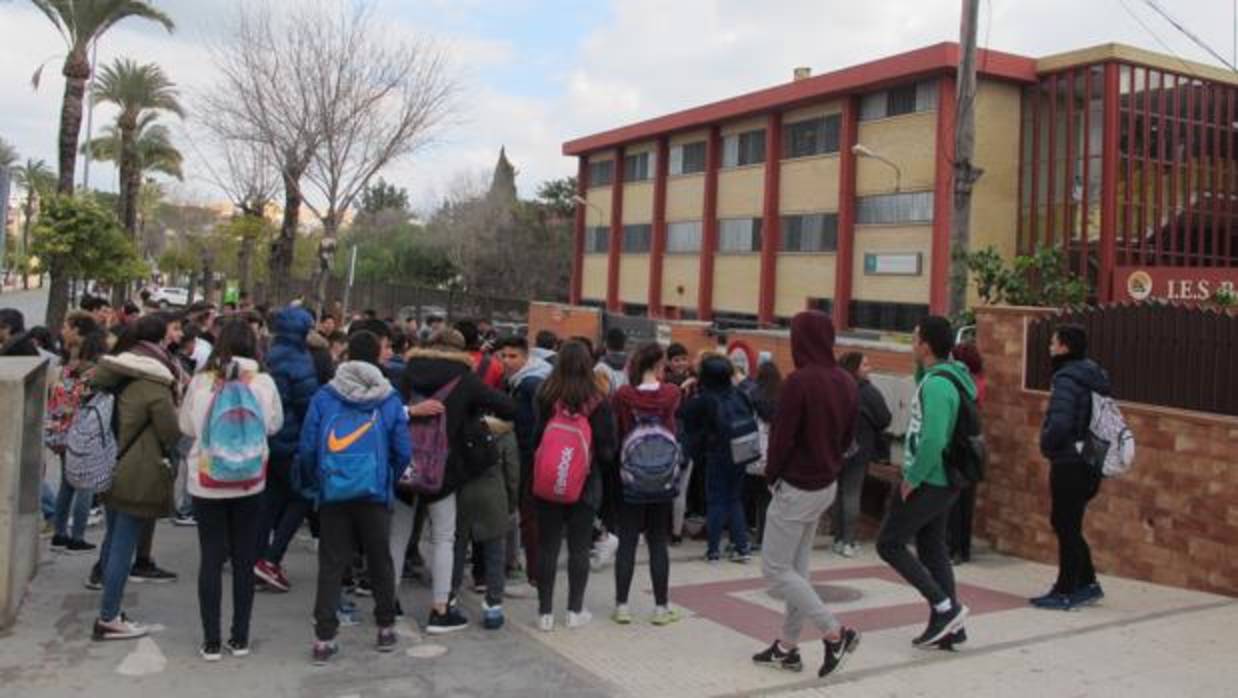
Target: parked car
170, 296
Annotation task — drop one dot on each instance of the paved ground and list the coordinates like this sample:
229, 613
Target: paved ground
1143, 640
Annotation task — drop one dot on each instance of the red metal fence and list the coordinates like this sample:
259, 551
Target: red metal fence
1155, 353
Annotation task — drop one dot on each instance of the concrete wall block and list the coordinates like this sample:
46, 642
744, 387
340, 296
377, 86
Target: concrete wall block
23, 390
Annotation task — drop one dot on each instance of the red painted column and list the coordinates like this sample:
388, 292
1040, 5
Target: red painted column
771, 225
578, 233
1109, 185
943, 199
709, 226
615, 249
844, 257
658, 247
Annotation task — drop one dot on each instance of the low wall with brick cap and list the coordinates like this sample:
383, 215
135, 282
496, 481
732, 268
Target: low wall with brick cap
1172, 520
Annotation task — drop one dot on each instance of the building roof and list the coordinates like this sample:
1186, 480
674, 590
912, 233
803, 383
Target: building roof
1129, 54
930, 60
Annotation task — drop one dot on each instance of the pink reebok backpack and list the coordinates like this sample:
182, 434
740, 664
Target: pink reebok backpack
563, 458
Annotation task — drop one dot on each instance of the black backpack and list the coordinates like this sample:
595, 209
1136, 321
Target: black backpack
966, 455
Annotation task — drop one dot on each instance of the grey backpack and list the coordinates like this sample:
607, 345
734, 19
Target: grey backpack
91, 451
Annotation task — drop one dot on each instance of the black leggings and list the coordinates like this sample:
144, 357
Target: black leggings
227, 529
553, 522
1072, 486
655, 520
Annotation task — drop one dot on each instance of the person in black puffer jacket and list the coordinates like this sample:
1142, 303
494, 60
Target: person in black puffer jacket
292, 367
427, 371
1072, 481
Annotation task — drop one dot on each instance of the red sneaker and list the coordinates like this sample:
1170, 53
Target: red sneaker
271, 575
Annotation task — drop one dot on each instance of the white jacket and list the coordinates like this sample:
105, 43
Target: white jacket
195, 410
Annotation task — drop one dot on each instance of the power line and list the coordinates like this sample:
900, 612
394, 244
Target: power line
1188, 33
1186, 67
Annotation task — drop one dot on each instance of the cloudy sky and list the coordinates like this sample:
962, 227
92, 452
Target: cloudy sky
535, 73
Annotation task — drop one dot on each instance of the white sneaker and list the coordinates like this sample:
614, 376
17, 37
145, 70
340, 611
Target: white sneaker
850, 550
546, 623
603, 552
579, 620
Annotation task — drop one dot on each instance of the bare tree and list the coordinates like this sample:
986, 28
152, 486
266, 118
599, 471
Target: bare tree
265, 98
375, 100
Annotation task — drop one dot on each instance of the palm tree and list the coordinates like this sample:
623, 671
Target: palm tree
38, 181
81, 22
153, 142
139, 91
8, 154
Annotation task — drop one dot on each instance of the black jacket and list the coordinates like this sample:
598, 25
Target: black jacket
1070, 408
605, 445
427, 371
875, 417
19, 344
699, 414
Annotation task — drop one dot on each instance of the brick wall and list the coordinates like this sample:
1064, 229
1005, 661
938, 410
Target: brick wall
565, 321
1172, 520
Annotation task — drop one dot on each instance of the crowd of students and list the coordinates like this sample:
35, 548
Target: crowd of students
249, 423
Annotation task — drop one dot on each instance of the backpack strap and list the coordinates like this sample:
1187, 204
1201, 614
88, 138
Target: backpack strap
483, 367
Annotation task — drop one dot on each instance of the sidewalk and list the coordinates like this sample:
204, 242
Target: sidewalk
1143, 640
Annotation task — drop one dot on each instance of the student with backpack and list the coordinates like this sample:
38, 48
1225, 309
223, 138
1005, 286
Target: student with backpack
919, 509
722, 432
870, 428
142, 378
230, 409
84, 343
447, 401
1073, 481
649, 472
354, 446
813, 425
576, 442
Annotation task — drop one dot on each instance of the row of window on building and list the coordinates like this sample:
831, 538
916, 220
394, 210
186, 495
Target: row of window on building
809, 137
802, 232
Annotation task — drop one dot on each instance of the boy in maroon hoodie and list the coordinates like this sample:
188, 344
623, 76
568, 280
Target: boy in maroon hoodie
813, 425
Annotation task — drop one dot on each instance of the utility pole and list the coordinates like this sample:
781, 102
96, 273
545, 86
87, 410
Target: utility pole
965, 173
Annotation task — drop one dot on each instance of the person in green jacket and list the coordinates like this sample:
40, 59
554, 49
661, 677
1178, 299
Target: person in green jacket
920, 509
144, 379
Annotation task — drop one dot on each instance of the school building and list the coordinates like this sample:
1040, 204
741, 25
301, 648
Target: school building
835, 191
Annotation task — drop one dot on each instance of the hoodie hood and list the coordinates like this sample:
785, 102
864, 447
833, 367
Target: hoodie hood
543, 354
427, 370
716, 373
646, 399
113, 369
957, 369
360, 383
812, 339
1086, 373
316, 341
292, 325
617, 360
533, 368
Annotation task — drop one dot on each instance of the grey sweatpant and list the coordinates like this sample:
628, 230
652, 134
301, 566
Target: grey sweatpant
442, 542
790, 528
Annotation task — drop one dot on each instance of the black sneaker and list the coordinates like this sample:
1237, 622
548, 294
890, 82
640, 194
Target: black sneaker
212, 651
774, 656
323, 652
150, 572
59, 542
363, 588
95, 581
951, 642
387, 639
836, 652
942, 624
449, 622
237, 648
77, 547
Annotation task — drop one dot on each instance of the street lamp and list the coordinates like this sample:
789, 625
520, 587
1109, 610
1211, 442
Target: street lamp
582, 201
862, 151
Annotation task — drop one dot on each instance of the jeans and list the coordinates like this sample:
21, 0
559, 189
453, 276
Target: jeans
847, 507
553, 522
442, 516
725, 485
123, 531
922, 517
283, 512
343, 525
47, 500
227, 530
77, 502
490, 556
1072, 486
790, 529
654, 518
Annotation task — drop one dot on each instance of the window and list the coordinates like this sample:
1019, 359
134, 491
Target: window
748, 148
904, 99
688, 158
739, 235
597, 239
812, 137
895, 317
601, 173
638, 167
637, 238
811, 232
683, 236
885, 209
